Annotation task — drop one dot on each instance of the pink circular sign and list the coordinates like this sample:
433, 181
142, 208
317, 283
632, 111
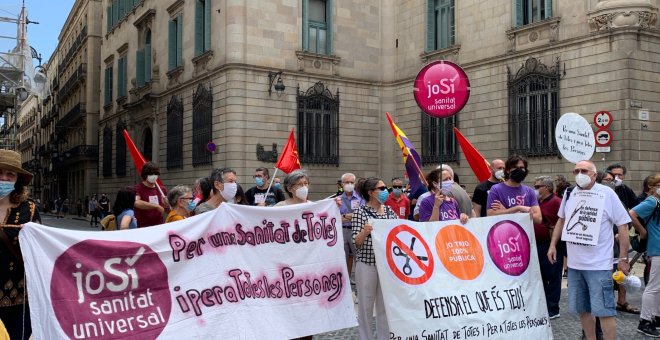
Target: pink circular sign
508, 246
110, 290
441, 89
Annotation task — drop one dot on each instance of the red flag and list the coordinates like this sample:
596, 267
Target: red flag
289, 160
138, 159
477, 162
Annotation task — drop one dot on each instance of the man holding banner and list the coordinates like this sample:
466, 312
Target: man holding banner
586, 216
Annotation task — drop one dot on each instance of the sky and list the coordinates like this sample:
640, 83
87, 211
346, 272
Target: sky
51, 15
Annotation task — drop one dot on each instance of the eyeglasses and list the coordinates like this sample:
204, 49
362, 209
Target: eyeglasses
539, 186
185, 198
397, 186
383, 188
581, 171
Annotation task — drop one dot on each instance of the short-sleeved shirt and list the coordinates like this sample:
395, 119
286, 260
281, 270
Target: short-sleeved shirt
255, 195
511, 196
644, 210
480, 196
204, 207
449, 209
401, 207
365, 253
127, 212
416, 196
549, 208
349, 205
598, 257
173, 216
149, 217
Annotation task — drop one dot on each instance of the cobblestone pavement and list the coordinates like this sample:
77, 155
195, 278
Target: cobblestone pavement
567, 326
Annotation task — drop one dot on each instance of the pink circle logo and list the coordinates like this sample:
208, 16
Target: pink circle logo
110, 290
508, 246
441, 89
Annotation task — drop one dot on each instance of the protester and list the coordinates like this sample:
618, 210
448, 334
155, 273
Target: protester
204, 191
93, 209
458, 193
626, 195
590, 288
257, 194
399, 203
150, 204
350, 201
646, 189
123, 209
415, 197
369, 292
551, 273
277, 183
440, 205
15, 210
561, 185
480, 195
511, 196
296, 186
649, 211
240, 197
79, 207
180, 199
59, 203
223, 182
104, 203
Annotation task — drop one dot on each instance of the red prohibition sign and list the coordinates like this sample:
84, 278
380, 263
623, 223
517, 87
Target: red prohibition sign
393, 243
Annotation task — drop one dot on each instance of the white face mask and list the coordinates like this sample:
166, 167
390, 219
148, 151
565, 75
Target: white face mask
348, 187
152, 178
302, 192
499, 174
536, 191
582, 180
657, 191
229, 191
617, 181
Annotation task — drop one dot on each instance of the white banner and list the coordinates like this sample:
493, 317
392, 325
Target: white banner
583, 217
238, 272
442, 280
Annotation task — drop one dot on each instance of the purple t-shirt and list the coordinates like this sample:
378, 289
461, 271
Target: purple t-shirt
511, 196
448, 209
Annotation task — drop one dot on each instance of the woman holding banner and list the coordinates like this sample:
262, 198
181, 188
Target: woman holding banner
296, 186
366, 276
15, 210
440, 205
180, 199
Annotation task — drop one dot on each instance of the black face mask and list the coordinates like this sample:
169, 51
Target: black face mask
518, 175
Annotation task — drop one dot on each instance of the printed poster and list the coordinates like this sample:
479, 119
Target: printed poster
238, 272
583, 217
444, 280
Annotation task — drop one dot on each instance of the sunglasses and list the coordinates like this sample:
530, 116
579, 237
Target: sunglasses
539, 186
383, 188
581, 171
397, 186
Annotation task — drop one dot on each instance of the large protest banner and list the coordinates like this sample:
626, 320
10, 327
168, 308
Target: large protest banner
443, 280
237, 272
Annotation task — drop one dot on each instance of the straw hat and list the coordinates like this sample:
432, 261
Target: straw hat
11, 160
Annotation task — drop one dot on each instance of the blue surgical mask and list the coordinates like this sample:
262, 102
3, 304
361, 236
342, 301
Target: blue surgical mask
6, 188
277, 185
191, 205
259, 181
382, 196
397, 192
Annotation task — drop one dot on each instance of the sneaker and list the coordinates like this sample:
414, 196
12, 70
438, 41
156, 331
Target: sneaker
647, 328
554, 316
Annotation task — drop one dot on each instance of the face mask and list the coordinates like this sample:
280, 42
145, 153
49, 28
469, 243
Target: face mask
657, 191
229, 191
6, 188
349, 187
582, 180
446, 187
259, 181
609, 185
382, 196
152, 178
499, 174
302, 192
537, 193
397, 192
518, 175
617, 181
277, 185
191, 205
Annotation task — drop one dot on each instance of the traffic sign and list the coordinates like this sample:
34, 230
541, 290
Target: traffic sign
603, 137
408, 255
603, 119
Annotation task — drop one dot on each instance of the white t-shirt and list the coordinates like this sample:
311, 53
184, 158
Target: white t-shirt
598, 257
419, 201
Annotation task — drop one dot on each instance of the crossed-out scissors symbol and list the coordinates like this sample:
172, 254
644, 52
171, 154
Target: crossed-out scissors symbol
407, 269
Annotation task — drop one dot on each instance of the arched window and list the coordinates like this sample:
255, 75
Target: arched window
533, 109
174, 133
202, 125
318, 126
107, 152
120, 162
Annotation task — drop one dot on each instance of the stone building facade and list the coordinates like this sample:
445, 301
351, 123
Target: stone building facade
179, 75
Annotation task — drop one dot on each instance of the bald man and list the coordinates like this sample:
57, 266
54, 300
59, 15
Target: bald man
480, 195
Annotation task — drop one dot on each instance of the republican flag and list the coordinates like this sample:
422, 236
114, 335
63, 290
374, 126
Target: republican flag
138, 159
410, 157
289, 160
477, 162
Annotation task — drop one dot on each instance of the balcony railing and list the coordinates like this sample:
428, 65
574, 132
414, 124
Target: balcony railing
75, 78
76, 154
72, 50
71, 117
25, 144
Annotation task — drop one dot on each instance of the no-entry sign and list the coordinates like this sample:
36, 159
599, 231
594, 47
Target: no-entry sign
441, 89
603, 137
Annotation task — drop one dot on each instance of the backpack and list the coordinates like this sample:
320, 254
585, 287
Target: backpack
638, 244
109, 223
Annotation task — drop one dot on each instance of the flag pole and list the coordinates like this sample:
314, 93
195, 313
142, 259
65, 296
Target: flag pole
272, 179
